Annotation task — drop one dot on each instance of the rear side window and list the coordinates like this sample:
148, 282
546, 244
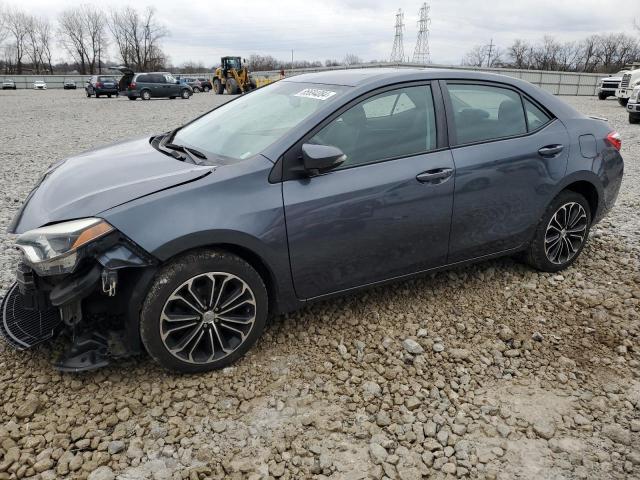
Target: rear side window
483, 112
143, 79
536, 118
392, 124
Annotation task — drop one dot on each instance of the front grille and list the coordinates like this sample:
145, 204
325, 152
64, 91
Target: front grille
626, 78
610, 84
22, 327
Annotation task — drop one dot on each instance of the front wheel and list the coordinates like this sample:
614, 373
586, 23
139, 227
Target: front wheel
145, 95
206, 89
623, 102
88, 94
218, 88
633, 119
561, 233
185, 94
203, 311
602, 96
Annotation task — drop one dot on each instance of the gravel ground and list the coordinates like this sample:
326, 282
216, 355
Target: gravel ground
490, 371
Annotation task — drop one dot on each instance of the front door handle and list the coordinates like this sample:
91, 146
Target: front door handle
435, 176
550, 150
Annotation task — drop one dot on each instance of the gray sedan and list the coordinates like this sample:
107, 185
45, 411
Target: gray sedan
182, 244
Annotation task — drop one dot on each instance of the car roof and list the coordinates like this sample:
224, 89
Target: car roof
362, 76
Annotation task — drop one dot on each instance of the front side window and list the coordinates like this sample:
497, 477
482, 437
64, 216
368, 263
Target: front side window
392, 124
484, 112
169, 78
246, 126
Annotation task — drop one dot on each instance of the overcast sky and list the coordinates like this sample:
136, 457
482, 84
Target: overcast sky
205, 30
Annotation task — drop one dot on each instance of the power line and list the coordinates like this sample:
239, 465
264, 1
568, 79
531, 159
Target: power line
421, 53
397, 53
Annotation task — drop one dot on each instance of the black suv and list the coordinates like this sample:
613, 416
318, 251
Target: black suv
152, 85
101, 85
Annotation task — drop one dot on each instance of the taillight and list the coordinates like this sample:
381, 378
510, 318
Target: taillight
132, 85
615, 140
99, 84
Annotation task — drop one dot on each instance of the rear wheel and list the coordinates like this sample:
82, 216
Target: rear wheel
97, 95
145, 95
172, 98
232, 86
108, 95
131, 98
206, 89
203, 311
185, 94
633, 119
561, 233
623, 102
218, 87
88, 94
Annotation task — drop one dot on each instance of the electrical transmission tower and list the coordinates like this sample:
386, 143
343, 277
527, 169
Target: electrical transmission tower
421, 52
397, 53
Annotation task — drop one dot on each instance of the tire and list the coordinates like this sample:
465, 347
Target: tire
541, 253
145, 95
185, 94
623, 102
232, 86
602, 96
218, 88
97, 95
210, 342
196, 90
132, 98
206, 89
172, 98
634, 119
88, 94
252, 84
109, 95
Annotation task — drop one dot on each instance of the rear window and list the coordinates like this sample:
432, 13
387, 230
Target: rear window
105, 79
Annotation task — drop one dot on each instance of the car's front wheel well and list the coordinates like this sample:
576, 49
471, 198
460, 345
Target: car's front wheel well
588, 191
256, 262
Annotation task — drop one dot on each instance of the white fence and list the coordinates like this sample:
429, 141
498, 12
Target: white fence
558, 83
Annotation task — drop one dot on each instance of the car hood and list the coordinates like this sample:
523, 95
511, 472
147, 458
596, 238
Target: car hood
94, 181
614, 79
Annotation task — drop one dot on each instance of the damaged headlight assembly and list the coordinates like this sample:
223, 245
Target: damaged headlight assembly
56, 249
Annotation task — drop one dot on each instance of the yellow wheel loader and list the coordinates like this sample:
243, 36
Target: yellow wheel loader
233, 76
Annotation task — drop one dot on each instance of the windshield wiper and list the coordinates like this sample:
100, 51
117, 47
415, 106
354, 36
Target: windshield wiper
191, 152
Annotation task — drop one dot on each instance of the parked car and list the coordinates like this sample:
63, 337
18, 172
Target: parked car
633, 105
39, 85
627, 84
8, 84
69, 85
607, 86
101, 85
380, 174
152, 85
194, 83
206, 84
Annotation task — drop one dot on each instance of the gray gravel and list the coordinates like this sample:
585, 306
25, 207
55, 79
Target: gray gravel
490, 371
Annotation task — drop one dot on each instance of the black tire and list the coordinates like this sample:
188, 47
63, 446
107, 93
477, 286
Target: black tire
633, 119
602, 96
108, 95
145, 95
218, 88
206, 89
253, 84
171, 279
536, 255
185, 94
232, 86
623, 102
196, 90
97, 95
132, 98
88, 94
172, 98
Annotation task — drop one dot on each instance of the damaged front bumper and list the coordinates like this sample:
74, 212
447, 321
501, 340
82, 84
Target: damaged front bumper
96, 305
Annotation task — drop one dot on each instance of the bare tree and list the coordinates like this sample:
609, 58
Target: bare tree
137, 38
82, 32
476, 56
17, 25
520, 52
44, 35
351, 59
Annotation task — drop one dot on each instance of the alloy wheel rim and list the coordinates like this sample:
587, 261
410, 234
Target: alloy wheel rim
565, 233
207, 317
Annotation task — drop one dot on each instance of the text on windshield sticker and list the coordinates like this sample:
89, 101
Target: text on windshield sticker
315, 93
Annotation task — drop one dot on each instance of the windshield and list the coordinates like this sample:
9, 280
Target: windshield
244, 127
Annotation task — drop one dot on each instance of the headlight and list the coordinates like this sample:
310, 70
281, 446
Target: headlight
634, 95
53, 250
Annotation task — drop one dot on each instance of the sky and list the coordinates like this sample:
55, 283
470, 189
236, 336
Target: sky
205, 30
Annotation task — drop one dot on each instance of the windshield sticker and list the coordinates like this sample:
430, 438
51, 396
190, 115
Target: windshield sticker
315, 93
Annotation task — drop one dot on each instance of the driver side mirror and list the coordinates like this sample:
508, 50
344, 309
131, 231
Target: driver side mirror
319, 159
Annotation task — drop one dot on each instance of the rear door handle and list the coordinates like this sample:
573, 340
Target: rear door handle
435, 176
550, 150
